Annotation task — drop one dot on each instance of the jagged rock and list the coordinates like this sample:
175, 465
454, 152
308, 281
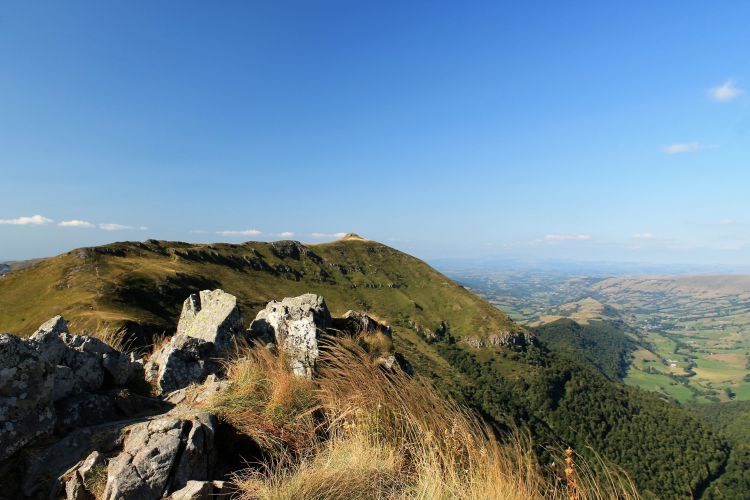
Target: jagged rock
91, 361
213, 316
26, 386
358, 322
51, 462
209, 322
503, 339
194, 490
161, 456
55, 325
296, 324
372, 335
181, 362
79, 480
197, 394
84, 409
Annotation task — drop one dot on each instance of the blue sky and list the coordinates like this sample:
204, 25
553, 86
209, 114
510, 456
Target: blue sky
574, 130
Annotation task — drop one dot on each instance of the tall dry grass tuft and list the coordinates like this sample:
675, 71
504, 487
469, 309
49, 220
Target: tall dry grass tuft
116, 337
372, 433
268, 403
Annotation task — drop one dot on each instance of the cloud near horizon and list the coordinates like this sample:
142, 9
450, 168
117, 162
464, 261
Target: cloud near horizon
644, 236
33, 220
76, 223
327, 235
688, 147
242, 232
728, 91
567, 237
120, 227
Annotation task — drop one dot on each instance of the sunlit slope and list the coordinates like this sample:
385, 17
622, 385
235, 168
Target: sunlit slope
145, 283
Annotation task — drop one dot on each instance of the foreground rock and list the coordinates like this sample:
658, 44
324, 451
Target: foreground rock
26, 386
42, 372
213, 316
161, 456
295, 324
83, 363
209, 328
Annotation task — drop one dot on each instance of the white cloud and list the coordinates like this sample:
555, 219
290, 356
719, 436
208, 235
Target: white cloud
244, 232
728, 91
726, 222
120, 227
644, 236
567, 237
34, 220
285, 234
75, 223
688, 147
328, 235
198, 231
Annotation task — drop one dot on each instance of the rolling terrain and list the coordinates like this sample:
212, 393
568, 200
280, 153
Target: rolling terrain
470, 348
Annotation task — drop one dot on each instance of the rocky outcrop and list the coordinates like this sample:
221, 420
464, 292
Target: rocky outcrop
102, 441
372, 335
181, 362
160, 457
503, 339
26, 388
296, 324
166, 457
48, 379
83, 363
360, 323
208, 330
212, 316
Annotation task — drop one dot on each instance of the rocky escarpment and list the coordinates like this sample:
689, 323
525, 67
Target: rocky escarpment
75, 426
47, 378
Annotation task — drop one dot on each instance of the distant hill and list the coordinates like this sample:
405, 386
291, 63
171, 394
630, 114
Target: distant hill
511, 379
700, 286
142, 285
8, 266
583, 311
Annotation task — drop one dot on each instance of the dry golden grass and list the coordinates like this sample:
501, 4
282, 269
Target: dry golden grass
268, 403
360, 432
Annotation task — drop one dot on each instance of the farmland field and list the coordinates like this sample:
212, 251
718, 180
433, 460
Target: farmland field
691, 333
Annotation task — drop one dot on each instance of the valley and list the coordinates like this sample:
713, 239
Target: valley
691, 334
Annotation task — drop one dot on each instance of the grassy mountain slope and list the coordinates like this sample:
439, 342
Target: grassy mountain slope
145, 283
559, 400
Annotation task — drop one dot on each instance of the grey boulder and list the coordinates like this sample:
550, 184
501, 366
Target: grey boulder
26, 387
296, 324
161, 456
213, 316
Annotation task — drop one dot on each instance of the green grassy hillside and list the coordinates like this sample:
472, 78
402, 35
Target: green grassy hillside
145, 284
560, 401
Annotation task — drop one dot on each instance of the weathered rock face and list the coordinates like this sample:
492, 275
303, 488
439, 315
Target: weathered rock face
26, 385
213, 316
296, 323
181, 362
84, 363
358, 322
50, 367
161, 456
207, 331
503, 339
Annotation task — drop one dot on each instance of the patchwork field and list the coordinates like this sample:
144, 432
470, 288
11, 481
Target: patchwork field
692, 333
